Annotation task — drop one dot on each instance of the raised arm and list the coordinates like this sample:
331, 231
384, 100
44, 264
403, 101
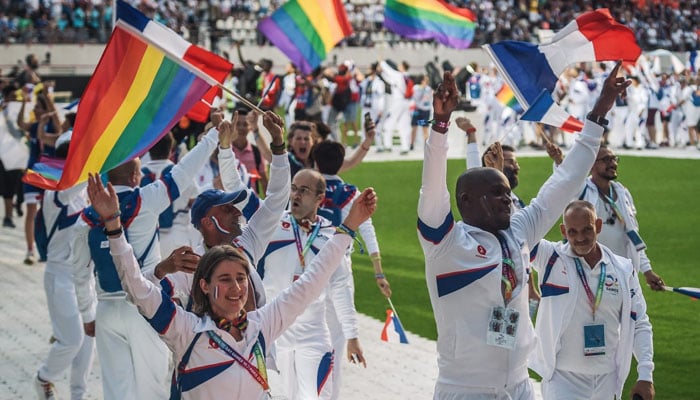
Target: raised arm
283, 310
356, 158
434, 201
566, 181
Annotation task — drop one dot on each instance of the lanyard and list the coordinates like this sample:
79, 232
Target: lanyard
259, 373
615, 209
507, 271
593, 301
302, 250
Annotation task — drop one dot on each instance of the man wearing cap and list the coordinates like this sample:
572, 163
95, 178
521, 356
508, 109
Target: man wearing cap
70, 290
134, 360
217, 214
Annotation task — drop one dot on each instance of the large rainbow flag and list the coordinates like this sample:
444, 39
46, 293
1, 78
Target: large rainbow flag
147, 79
431, 19
306, 30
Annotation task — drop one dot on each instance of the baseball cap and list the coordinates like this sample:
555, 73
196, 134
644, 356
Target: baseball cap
215, 197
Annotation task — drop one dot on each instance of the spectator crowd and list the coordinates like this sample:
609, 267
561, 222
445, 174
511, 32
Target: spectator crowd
672, 25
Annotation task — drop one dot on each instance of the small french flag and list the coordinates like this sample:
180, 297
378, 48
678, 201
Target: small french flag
393, 330
530, 69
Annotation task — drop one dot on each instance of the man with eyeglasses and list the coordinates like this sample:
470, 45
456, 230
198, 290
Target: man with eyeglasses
303, 355
614, 205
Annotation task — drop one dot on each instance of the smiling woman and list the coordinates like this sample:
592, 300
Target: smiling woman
219, 321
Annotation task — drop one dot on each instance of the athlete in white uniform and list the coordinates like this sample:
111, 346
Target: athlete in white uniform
335, 206
483, 348
304, 353
592, 316
70, 292
134, 360
398, 118
217, 214
219, 348
373, 100
614, 204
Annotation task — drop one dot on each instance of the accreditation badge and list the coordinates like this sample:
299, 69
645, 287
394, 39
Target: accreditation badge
503, 327
594, 340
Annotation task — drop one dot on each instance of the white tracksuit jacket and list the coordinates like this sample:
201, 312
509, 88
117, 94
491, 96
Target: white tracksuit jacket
463, 269
629, 215
560, 286
210, 373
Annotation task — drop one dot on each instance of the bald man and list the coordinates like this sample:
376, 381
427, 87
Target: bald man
592, 315
476, 268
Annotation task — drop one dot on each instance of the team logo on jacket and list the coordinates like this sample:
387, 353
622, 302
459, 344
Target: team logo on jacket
481, 250
612, 285
286, 225
213, 344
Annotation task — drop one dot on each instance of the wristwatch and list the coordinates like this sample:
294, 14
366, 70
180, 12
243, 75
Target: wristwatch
598, 119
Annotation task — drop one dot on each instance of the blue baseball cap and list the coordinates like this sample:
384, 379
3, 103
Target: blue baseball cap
215, 197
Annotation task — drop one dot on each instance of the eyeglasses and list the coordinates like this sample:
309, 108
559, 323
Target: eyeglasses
303, 191
608, 159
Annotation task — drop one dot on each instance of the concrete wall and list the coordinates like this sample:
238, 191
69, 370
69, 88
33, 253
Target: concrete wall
81, 59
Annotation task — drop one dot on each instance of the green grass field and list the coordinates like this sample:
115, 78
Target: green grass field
664, 191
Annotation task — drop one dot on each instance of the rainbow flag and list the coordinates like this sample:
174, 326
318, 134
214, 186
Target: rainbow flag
147, 79
431, 19
506, 97
306, 30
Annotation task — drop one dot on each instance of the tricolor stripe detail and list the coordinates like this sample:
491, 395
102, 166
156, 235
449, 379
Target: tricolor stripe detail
545, 110
453, 281
435, 235
431, 19
307, 30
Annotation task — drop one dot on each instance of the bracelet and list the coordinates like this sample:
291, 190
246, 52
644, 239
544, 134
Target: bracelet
113, 216
440, 125
362, 146
342, 228
375, 258
278, 147
379, 276
471, 130
115, 232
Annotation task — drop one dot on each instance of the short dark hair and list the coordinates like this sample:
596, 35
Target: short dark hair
162, 149
329, 157
70, 117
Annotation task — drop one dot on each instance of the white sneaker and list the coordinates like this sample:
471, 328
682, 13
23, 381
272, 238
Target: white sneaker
44, 390
30, 259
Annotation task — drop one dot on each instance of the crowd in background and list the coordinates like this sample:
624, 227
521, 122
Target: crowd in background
672, 25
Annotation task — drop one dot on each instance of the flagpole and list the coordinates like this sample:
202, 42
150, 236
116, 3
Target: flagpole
267, 90
211, 81
394, 310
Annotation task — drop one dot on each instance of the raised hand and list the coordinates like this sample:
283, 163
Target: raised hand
445, 98
252, 119
103, 200
612, 87
275, 125
216, 116
181, 259
226, 131
554, 152
363, 208
494, 156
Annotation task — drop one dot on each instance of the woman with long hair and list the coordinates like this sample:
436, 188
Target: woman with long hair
219, 348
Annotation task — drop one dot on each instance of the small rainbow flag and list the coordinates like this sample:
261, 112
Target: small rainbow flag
147, 79
506, 97
306, 30
431, 19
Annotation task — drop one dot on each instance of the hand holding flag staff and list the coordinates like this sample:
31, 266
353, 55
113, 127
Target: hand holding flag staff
692, 292
393, 330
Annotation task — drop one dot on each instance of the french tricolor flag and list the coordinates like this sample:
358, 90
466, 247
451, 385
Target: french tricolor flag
530, 69
393, 330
